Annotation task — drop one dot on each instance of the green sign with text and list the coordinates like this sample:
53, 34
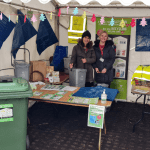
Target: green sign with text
96, 116
115, 29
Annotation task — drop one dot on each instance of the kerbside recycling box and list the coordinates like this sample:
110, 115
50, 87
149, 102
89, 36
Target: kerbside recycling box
13, 113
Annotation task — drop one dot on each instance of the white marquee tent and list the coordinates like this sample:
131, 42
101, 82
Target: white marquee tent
108, 8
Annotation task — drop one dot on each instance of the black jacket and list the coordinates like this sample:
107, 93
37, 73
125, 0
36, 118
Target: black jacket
78, 53
109, 58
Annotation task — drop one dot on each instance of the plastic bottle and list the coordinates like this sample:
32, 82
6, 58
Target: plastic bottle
103, 97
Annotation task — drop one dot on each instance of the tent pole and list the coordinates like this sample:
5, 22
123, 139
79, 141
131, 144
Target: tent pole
57, 26
54, 3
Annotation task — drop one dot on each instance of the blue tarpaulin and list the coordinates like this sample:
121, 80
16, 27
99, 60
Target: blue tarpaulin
59, 54
23, 32
5, 29
91, 92
142, 36
45, 37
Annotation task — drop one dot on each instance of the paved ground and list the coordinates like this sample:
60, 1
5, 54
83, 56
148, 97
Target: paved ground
67, 130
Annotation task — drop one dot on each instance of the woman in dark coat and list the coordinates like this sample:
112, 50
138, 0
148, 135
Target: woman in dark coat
83, 56
105, 57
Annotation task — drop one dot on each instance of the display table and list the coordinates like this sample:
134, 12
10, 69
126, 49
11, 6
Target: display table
63, 101
140, 90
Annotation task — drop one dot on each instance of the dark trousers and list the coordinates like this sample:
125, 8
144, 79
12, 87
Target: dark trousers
89, 84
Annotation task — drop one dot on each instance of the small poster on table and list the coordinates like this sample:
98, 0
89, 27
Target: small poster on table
96, 116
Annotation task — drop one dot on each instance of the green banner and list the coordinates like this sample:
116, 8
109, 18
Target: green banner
96, 116
115, 29
121, 85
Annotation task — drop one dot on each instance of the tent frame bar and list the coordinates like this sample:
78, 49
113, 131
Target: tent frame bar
115, 17
27, 7
130, 7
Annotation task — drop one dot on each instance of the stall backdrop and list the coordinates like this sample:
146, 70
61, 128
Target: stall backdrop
137, 10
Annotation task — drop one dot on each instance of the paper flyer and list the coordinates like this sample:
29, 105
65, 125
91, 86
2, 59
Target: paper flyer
83, 100
58, 88
56, 97
53, 87
119, 66
61, 92
47, 96
37, 93
121, 46
141, 91
69, 88
96, 116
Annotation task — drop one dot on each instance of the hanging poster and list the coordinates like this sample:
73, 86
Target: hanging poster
76, 28
121, 46
120, 68
142, 36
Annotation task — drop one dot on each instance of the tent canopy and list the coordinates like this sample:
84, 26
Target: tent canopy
104, 2
90, 2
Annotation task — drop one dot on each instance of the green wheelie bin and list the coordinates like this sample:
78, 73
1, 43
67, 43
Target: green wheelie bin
13, 113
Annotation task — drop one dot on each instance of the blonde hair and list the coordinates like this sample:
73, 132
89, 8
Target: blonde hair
103, 32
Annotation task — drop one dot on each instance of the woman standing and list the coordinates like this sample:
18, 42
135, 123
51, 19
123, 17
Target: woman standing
83, 56
105, 57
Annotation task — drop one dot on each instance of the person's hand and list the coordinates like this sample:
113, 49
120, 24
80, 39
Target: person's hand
71, 66
83, 60
97, 70
104, 70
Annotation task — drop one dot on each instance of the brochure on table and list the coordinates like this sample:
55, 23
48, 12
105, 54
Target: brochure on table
55, 96
96, 116
81, 100
37, 93
58, 88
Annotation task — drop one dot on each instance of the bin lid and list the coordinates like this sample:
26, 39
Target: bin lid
13, 85
21, 64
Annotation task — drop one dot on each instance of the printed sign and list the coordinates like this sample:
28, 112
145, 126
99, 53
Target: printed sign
6, 112
96, 116
115, 29
121, 46
120, 68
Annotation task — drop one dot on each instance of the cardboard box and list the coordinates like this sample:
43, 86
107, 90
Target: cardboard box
49, 69
40, 67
